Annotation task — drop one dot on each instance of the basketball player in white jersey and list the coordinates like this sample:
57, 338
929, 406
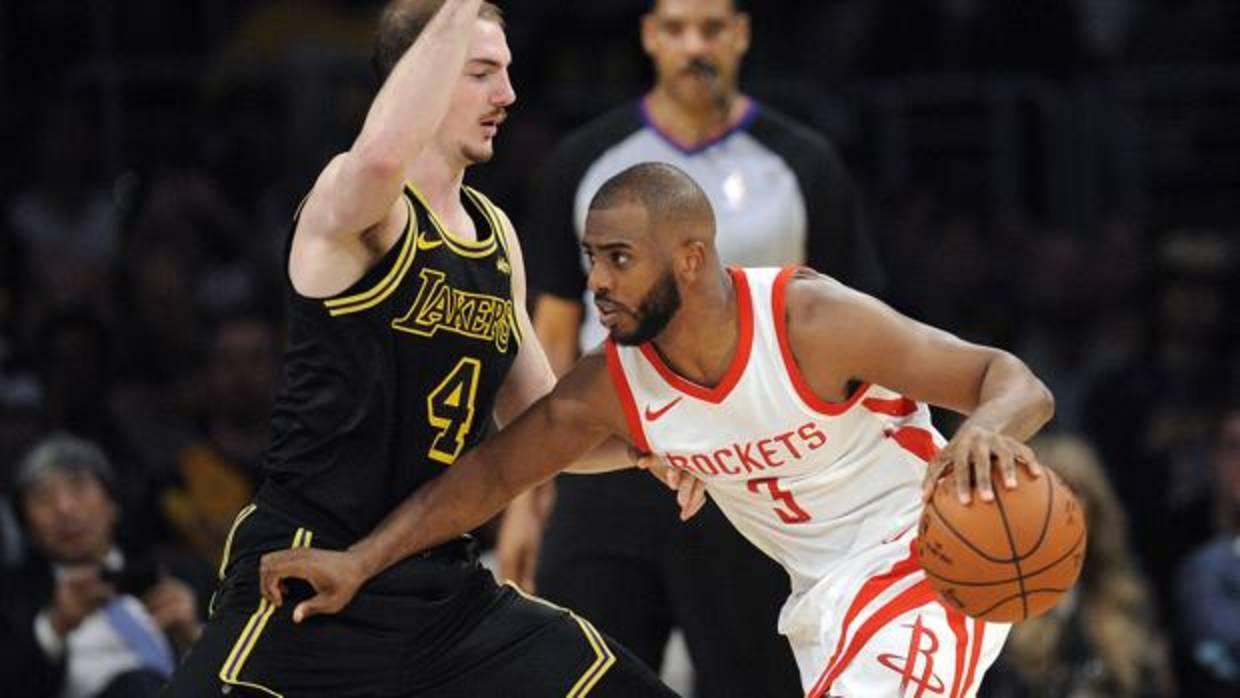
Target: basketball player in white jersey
802, 406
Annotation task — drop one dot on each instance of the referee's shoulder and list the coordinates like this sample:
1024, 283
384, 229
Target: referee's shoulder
604, 130
772, 124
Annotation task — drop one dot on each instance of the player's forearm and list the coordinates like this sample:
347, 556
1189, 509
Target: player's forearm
460, 500
415, 97
1012, 400
477, 487
608, 456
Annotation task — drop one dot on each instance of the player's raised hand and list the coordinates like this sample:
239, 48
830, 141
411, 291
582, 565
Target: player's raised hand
690, 491
335, 577
970, 456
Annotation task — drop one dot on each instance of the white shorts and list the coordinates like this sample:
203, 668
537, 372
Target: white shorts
887, 635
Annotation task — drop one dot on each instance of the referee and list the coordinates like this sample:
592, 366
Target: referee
610, 546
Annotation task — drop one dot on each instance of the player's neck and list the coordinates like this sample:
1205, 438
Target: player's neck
438, 179
692, 126
690, 349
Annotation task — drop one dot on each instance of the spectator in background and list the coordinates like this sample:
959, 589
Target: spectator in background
1208, 593
1101, 641
75, 370
65, 221
84, 617
1154, 414
218, 473
614, 550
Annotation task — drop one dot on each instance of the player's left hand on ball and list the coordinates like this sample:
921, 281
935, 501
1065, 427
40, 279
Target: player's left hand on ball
690, 491
971, 454
335, 577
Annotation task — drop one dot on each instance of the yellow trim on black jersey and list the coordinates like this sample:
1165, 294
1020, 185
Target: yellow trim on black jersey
241, 516
604, 658
380, 291
248, 639
492, 212
465, 248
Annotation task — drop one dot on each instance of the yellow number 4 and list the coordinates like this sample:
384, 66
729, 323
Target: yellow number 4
450, 409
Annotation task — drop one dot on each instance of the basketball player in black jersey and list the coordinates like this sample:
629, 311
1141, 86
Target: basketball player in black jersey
407, 329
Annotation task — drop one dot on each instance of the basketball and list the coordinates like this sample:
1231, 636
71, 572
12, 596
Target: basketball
1006, 560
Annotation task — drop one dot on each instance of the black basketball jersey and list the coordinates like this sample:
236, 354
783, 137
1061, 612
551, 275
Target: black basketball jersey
385, 384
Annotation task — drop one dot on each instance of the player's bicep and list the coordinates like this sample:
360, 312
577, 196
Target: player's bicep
557, 321
530, 377
556, 430
867, 340
351, 196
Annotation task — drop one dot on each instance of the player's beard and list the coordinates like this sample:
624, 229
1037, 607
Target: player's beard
653, 313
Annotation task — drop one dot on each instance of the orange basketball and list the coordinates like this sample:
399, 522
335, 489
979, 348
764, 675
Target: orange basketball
1005, 560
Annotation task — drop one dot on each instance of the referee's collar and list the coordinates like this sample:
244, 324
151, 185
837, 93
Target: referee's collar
746, 118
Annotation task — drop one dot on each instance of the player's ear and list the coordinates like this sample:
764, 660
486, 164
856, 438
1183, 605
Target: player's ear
650, 32
742, 33
691, 260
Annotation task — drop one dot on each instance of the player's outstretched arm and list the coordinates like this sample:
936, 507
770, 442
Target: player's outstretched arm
1005, 402
359, 188
580, 413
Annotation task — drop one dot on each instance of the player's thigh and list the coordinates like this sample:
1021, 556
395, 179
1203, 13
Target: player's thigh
533, 649
931, 650
198, 675
726, 596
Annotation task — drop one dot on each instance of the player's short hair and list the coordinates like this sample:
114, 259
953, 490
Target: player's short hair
666, 192
402, 23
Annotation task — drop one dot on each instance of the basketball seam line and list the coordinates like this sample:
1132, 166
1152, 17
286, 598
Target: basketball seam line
1020, 576
1076, 546
982, 553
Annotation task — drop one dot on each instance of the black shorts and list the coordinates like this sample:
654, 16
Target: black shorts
616, 551
433, 625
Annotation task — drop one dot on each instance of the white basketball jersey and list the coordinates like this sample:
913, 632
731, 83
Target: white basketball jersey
813, 484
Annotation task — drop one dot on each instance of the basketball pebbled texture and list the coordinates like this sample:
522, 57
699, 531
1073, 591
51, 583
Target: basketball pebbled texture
1008, 560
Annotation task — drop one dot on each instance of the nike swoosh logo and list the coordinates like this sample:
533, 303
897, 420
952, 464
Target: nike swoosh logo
424, 244
653, 415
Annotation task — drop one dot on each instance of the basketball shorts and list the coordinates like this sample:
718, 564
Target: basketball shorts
886, 634
433, 625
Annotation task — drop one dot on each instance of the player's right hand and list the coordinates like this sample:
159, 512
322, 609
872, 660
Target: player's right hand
335, 577
969, 457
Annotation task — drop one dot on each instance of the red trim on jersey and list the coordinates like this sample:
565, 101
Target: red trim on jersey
899, 407
869, 591
917, 595
625, 393
918, 441
956, 621
780, 305
744, 346
979, 634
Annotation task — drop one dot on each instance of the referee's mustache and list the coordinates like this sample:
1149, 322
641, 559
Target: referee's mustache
703, 68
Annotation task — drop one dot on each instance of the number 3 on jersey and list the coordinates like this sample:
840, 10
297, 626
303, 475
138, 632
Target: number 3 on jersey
789, 512
450, 410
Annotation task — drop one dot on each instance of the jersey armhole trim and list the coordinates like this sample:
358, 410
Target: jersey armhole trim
616, 370
779, 303
380, 291
500, 233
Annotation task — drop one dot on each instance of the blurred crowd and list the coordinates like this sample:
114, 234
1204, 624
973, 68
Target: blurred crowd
157, 151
